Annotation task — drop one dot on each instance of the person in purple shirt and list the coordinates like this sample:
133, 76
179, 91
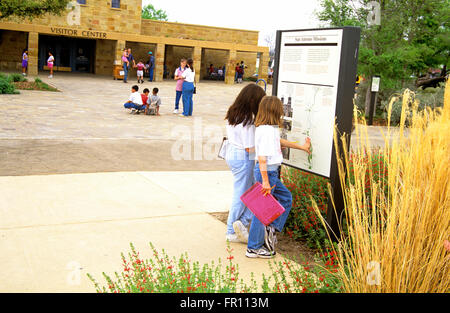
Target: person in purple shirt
179, 87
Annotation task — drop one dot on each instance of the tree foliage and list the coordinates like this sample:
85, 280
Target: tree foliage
413, 36
31, 8
149, 12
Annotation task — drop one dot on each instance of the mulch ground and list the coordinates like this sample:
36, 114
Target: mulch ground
291, 249
33, 86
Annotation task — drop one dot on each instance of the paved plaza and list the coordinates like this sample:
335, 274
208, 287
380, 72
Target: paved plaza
81, 178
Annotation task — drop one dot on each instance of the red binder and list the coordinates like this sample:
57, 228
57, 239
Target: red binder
266, 208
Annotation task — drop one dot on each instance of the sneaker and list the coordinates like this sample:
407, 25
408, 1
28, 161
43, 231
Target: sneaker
270, 238
241, 231
232, 238
262, 252
50, 76
175, 111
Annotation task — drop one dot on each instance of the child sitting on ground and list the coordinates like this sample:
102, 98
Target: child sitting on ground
140, 72
154, 100
135, 100
144, 97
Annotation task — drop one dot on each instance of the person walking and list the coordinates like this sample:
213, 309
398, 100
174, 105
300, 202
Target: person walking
179, 87
188, 88
125, 65
240, 157
151, 66
130, 59
24, 62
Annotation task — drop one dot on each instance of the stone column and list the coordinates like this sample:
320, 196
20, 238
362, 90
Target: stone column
263, 66
197, 62
120, 45
231, 64
159, 62
33, 51
170, 62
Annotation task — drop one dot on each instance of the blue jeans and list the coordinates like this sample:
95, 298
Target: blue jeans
125, 72
241, 164
131, 105
150, 74
177, 99
188, 91
283, 195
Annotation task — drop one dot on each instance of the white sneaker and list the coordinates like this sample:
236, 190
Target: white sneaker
50, 76
232, 238
262, 252
241, 231
175, 111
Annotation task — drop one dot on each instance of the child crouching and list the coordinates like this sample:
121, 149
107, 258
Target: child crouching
135, 100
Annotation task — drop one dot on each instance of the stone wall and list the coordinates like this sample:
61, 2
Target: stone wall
12, 44
198, 32
173, 56
249, 59
104, 57
98, 15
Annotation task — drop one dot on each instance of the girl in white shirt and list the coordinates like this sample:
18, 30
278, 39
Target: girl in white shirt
188, 88
262, 239
50, 61
240, 157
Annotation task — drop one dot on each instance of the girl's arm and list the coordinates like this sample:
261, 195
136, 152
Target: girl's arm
305, 147
250, 150
265, 178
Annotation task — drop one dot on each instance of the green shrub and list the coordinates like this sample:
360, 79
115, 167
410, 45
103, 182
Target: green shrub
6, 87
17, 78
250, 79
430, 97
37, 80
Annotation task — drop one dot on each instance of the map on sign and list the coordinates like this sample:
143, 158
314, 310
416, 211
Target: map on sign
308, 75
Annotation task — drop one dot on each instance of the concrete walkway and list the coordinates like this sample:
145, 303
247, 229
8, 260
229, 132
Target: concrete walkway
55, 228
81, 178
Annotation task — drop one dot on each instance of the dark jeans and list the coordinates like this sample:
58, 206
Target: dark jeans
131, 105
283, 195
125, 72
150, 74
177, 99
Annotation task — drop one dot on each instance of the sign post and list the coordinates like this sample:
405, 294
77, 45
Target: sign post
314, 76
375, 87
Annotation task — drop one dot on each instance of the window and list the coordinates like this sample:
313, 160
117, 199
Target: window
115, 4
81, 1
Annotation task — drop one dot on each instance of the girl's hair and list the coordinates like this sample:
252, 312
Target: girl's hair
270, 112
245, 107
190, 63
183, 60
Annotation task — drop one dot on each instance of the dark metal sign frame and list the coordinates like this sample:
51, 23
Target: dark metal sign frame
343, 113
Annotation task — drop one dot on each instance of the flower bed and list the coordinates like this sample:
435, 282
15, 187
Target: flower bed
303, 223
161, 274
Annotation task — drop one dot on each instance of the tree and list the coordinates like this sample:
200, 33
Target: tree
31, 8
412, 37
270, 40
149, 12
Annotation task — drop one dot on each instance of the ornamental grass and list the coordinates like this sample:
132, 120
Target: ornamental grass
396, 227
